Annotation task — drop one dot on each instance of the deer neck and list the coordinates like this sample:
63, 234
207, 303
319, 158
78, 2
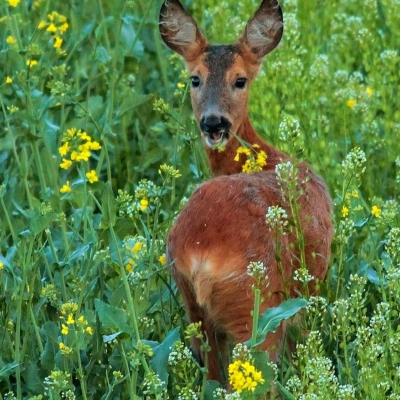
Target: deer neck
222, 161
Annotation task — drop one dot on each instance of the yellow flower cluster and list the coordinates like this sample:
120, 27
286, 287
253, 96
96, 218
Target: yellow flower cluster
68, 311
244, 376
256, 160
346, 208
65, 350
133, 253
56, 25
78, 145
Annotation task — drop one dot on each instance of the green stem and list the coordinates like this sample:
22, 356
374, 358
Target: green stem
81, 374
256, 313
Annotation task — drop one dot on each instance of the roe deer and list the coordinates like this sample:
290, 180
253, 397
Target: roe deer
222, 228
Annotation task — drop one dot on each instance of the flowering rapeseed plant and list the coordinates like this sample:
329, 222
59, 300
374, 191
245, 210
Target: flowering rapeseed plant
256, 160
243, 376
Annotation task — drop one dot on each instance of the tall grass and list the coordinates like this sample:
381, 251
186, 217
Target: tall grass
99, 152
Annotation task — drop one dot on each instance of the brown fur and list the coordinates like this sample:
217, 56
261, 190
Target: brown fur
222, 228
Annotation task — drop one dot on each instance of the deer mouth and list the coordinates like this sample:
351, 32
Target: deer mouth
216, 139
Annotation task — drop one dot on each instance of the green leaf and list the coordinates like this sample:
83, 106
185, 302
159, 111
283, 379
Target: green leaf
111, 317
50, 331
134, 101
271, 318
161, 354
109, 207
78, 253
40, 222
6, 369
109, 338
211, 386
261, 362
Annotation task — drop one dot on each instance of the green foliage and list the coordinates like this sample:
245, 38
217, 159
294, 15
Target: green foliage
99, 152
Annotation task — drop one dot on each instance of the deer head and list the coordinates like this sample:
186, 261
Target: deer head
221, 74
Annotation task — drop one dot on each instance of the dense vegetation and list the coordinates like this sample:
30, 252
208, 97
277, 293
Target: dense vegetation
98, 153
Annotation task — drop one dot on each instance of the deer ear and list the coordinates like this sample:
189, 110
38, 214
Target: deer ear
179, 30
263, 31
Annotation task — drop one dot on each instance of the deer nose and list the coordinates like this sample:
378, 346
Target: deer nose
210, 124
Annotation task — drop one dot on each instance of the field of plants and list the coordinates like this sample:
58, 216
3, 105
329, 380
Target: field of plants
99, 151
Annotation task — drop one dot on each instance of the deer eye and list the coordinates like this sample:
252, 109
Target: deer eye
195, 81
240, 83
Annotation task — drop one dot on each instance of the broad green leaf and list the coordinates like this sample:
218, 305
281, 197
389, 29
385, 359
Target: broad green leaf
40, 222
161, 353
261, 359
6, 369
78, 253
50, 331
211, 386
134, 101
111, 317
271, 318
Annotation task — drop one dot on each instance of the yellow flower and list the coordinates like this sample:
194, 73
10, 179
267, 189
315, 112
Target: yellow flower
64, 329
64, 149
368, 90
137, 247
9, 79
162, 259
84, 136
13, 3
84, 147
94, 146
57, 42
65, 163
354, 193
71, 132
81, 319
376, 211
144, 204
92, 176
89, 330
181, 85
345, 211
351, 103
66, 188
11, 40
240, 150
63, 27
129, 267
1, 265
31, 63
70, 319
83, 156
51, 28
65, 349
42, 25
